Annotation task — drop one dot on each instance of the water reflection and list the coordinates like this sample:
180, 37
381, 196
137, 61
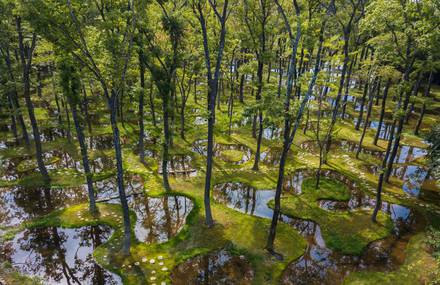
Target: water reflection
319, 264
413, 178
219, 267
159, 219
18, 204
60, 256
180, 165
220, 150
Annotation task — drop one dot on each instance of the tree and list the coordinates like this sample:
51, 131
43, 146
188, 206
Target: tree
111, 41
71, 84
201, 10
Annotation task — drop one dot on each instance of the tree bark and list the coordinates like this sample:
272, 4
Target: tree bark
382, 111
26, 63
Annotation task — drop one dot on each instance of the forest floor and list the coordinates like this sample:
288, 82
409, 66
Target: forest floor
346, 231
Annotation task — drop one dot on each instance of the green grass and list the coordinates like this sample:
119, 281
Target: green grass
348, 232
419, 268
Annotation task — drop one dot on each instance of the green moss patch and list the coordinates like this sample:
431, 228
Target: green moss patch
346, 231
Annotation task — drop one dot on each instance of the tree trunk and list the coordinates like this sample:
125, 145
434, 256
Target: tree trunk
85, 158
167, 138
361, 111
15, 102
141, 109
151, 97
425, 95
26, 63
367, 118
120, 174
260, 114
86, 109
382, 111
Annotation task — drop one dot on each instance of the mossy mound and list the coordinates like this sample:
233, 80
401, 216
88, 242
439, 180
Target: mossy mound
348, 232
232, 155
419, 268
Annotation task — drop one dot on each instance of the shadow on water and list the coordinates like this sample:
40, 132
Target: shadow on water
60, 256
319, 264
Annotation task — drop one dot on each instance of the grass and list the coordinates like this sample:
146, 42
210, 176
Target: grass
419, 268
348, 232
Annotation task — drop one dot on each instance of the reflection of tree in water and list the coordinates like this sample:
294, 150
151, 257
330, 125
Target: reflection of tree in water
61, 256
237, 195
159, 219
219, 267
19, 203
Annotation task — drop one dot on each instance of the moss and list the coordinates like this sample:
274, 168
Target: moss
232, 155
11, 277
346, 231
419, 268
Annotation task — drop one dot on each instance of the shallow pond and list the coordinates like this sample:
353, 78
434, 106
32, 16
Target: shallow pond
319, 264
218, 267
18, 204
60, 256
157, 219
221, 151
179, 165
414, 177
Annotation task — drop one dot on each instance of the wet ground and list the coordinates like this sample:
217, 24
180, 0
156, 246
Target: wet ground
319, 264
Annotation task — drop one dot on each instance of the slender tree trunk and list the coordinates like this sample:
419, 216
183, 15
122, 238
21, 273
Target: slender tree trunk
14, 100
141, 108
86, 109
13, 119
151, 97
66, 110
120, 174
367, 118
290, 135
400, 121
378, 204
347, 87
382, 111
259, 113
167, 138
361, 111
85, 158
26, 63
425, 95
241, 96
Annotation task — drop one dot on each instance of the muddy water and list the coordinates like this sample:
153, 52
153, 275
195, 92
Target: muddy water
200, 147
319, 264
59, 256
218, 267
